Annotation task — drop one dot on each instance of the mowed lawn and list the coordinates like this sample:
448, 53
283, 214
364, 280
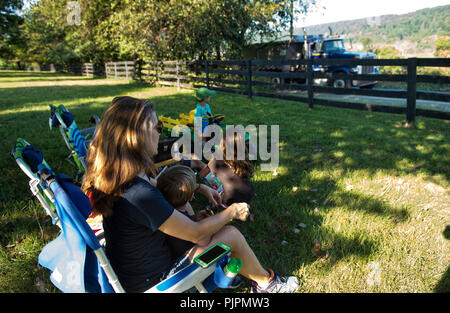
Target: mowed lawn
358, 203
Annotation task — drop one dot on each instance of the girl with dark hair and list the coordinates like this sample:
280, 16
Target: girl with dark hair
233, 169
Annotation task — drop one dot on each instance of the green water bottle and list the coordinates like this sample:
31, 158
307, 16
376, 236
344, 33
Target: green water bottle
233, 267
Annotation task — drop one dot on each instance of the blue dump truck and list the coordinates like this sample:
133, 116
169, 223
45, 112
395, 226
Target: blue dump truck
316, 47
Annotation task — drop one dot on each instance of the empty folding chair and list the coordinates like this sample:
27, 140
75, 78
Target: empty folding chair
76, 140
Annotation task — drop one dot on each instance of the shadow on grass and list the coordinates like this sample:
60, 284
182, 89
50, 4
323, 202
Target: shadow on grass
443, 286
317, 141
41, 76
18, 97
19, 268
278, 212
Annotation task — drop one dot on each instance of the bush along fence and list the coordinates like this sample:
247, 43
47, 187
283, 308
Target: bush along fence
296, 80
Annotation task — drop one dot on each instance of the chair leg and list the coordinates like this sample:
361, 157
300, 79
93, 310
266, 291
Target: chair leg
201, 288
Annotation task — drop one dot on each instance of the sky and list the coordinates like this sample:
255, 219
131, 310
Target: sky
341, 10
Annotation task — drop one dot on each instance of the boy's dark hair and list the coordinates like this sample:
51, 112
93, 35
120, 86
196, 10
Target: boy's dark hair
177, 184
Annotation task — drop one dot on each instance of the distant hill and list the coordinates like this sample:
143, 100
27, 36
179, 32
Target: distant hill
412, 34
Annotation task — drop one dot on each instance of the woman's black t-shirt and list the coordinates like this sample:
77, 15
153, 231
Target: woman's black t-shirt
137, 250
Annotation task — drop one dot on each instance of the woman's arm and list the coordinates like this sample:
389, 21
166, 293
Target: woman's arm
180, 226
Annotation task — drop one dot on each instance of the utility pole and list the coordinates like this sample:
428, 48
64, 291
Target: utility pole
305, 43
291, 28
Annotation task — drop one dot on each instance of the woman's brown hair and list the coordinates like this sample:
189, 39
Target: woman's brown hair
119, 151
240, 165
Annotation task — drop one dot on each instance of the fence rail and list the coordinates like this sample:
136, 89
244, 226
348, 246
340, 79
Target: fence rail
120, 70
248, 76
270, 78
171, 73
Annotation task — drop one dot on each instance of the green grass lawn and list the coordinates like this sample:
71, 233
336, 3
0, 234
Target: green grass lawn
358, 204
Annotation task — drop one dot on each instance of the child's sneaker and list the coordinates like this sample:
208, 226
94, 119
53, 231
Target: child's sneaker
277, 284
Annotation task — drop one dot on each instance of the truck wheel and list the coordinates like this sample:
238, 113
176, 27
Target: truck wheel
341, 83
276, 80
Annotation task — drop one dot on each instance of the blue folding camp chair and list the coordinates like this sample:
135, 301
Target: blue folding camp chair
76, 140
28, 158
76, 258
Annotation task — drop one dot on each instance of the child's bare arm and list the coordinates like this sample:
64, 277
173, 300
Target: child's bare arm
189, 209
205, 171
199, 216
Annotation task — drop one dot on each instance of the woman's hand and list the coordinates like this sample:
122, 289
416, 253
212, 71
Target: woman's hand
212, 195
239, 211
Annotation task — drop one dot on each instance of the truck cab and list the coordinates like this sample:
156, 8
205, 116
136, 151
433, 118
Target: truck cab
334, 48
316, 47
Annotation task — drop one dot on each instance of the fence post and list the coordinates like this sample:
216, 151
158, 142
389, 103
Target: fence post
156, 74
126, 70
310, 82
207, 74
411, 93
178, 76
115, 70
139, 69
249, 79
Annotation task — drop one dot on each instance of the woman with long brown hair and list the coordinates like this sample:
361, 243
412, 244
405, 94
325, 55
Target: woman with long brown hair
137, 218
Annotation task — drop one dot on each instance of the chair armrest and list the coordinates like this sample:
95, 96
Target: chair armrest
183, 280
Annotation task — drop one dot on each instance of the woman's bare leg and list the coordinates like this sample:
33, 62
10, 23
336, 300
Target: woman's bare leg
232, 237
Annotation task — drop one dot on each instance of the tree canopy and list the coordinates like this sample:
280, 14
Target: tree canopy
11, 42
111, 30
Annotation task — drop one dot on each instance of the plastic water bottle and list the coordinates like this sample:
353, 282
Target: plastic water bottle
233, 267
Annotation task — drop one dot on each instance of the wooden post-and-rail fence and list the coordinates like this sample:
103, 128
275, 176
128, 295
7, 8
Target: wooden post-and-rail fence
120, 70
261, 78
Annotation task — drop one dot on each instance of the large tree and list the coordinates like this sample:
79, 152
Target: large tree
111, 30
46, 32
11, 40
200, 28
